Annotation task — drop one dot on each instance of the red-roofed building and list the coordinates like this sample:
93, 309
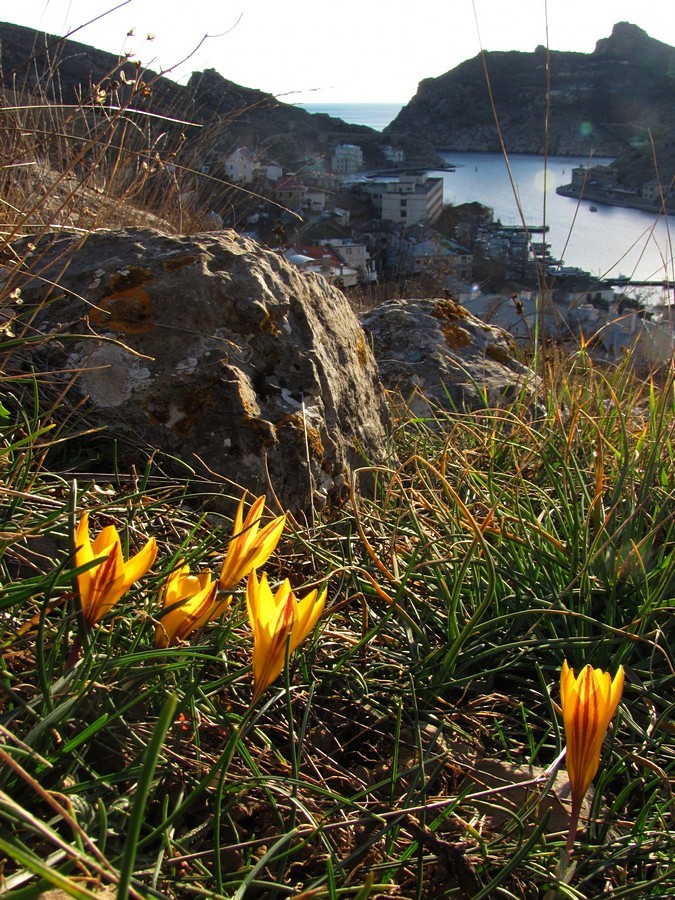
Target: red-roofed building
323, 259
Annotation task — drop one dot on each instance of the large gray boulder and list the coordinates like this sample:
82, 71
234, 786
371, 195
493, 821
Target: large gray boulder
435, 353
214, 350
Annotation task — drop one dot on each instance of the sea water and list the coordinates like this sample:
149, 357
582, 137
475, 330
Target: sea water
374, 115
607, 241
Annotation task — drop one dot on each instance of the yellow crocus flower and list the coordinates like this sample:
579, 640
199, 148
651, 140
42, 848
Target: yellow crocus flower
188, 602
273, 618
588, 705
249, 547
101, 586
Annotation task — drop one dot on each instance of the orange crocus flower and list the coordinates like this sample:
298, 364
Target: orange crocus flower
588, 705
273, 618
102, 585
188, 602
249, 547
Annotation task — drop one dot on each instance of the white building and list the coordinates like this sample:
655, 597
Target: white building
347, 159
394, 154
314, 199
343, 216
420, 252
273, 172
408, 199
323, 261
355, 255
241, 165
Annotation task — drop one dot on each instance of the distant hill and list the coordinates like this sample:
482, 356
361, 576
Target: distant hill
606, 101
69, 72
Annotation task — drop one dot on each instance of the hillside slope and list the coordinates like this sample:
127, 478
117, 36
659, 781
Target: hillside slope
63, 70
605, 101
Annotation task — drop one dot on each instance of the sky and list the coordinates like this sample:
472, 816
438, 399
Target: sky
353, 51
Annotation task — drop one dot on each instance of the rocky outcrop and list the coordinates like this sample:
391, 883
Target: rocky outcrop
603, 101
212, 350
435, 353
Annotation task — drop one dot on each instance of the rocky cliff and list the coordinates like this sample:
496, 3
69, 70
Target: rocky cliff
636, 166
604, 101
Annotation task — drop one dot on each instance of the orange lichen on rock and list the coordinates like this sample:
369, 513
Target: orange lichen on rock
313, 436
128, 311
362, 353
183, 412
269, 324
448, 309
449, 312
455, 337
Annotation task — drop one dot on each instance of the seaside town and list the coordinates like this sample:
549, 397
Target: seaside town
365, 229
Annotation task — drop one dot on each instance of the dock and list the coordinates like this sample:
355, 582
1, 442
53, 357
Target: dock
530, 229
625, 281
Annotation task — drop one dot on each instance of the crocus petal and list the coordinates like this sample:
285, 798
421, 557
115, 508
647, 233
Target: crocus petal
307, 615
268, 665
173, 589
82, 541
101, 586
273, 618
588, 703
189, 602
105, 587
262, 605
243, 533
85, 551
252, 516
105, 539
83, 554
249, 548
267, 541
141, 563
616, 692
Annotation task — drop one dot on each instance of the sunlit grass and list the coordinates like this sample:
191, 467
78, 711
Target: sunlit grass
499, 545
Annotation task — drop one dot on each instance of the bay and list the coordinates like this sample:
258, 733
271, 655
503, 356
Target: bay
374, 115
610, 242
